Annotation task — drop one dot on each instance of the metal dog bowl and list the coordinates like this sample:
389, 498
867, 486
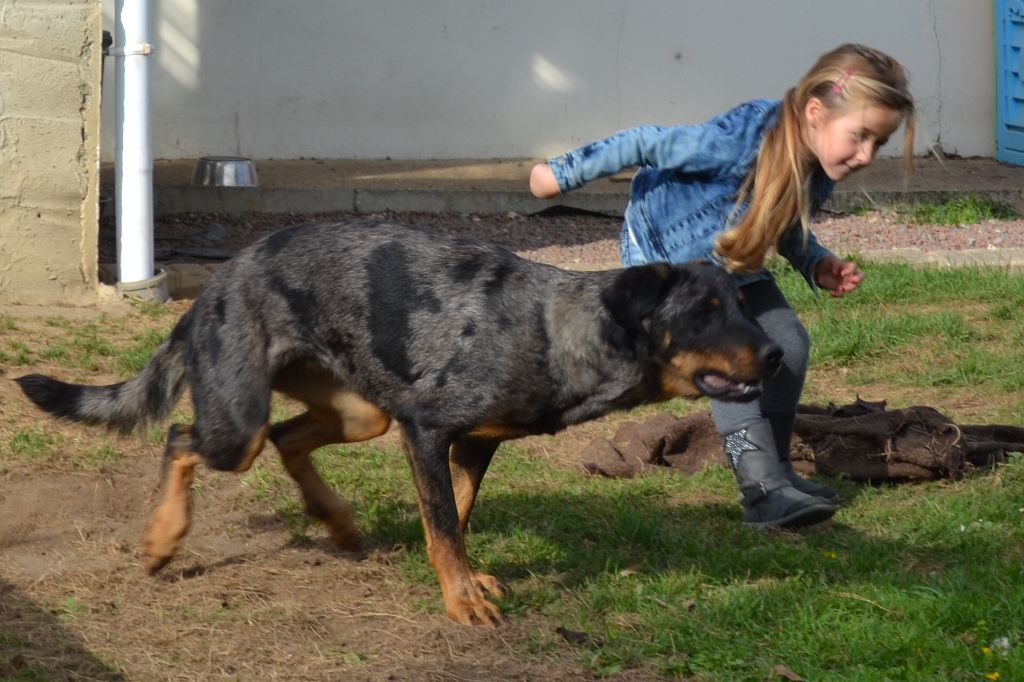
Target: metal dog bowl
225, 171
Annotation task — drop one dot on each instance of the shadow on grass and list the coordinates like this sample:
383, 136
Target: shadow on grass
577, 535
580, 536
35, 645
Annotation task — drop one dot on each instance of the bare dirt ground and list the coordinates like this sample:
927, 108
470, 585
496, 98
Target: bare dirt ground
242, 600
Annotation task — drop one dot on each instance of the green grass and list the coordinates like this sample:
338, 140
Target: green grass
958, 210
919, 582
922, 582
104, 455
921, 329
112, 345
33, 444
131, 360
861, 210
909, 583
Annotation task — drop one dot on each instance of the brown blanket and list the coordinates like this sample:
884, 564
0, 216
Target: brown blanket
862, 441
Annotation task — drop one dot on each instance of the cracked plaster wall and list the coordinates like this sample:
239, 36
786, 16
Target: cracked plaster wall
49, 150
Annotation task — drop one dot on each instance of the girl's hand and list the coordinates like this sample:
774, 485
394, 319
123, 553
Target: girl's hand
839, 277
543, 183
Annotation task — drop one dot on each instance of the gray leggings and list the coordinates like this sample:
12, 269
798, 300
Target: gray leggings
782, 392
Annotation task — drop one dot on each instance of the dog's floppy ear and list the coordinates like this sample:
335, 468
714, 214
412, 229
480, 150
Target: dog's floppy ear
636, 292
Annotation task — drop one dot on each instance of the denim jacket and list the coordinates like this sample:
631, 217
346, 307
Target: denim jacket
683, 194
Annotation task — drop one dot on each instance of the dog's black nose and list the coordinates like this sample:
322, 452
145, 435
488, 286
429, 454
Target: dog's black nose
771, 357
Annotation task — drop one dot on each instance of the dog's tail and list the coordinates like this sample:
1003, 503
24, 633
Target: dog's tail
147, 397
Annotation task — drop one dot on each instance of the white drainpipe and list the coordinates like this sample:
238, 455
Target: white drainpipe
133, 166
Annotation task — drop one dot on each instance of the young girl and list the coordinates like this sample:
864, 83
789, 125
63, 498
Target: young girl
733, 189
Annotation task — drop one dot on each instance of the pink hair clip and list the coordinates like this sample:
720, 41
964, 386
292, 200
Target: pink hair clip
838, 86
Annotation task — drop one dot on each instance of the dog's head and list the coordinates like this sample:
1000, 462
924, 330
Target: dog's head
697, 329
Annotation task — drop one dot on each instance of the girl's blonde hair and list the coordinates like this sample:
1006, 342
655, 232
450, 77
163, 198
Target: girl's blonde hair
849, 77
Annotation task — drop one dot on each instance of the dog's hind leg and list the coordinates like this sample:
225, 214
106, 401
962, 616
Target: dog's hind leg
428, 455
468, 461
171, 519
352, 420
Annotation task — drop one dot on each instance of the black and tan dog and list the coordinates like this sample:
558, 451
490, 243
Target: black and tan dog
463, 344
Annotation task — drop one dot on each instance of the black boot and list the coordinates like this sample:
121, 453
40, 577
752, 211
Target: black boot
782, 432
769, 498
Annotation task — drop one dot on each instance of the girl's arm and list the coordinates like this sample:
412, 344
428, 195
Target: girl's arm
803, 257
722, 144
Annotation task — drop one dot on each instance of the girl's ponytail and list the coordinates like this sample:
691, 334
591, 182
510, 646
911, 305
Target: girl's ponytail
778, 188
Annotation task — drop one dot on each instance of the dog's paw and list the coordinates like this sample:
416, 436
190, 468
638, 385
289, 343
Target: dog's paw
158, 550
488, 584
476, 611
167, 527
347, 539
155, 563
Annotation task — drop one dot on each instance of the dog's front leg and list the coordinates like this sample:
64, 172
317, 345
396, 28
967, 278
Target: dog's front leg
468, 461
427, 452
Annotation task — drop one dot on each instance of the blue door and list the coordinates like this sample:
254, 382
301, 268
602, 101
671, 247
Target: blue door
1010, 81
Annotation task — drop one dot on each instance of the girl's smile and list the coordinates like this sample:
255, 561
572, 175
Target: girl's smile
847, 142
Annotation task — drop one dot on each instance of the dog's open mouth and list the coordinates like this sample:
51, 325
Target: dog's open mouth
720, 387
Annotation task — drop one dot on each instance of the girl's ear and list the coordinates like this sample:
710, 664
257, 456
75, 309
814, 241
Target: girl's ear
815, 112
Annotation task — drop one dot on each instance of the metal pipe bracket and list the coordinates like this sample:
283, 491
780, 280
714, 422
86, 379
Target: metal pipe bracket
128, 51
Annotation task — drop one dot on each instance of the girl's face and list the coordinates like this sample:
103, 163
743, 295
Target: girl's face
845, 142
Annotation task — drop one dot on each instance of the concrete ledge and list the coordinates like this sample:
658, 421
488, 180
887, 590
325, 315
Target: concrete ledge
170, 199
188, 199
1010, 259
482, 201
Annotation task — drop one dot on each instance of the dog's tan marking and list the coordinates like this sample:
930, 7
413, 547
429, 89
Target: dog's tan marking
253, 449
295, 439
677, 375
468, 466
462, 590
358, 419
171, 519
747, 362
498, 432
468, 463
335, 416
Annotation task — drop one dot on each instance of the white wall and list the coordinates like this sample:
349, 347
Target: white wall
500, 78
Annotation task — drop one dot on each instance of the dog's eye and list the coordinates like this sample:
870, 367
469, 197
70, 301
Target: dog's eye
709, 308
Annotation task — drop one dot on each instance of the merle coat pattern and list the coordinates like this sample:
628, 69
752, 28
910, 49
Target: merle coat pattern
461, 343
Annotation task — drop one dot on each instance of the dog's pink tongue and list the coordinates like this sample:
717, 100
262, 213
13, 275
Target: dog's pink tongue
715, 381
